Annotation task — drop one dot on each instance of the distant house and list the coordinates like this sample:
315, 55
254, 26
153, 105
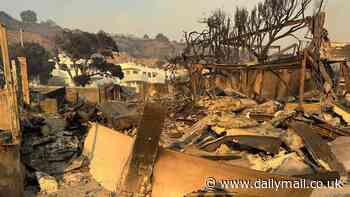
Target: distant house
135, 75
60, 74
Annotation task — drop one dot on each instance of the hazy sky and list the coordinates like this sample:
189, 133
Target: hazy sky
138, 17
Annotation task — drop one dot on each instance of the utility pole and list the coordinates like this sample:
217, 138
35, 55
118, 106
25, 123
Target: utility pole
21, 36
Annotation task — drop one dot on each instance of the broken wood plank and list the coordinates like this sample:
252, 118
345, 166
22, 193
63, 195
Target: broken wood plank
308, 107
341, 111
192, 133
236, 132
318, 148
267, 144
327, 130
136, 180
293, 63
261, 116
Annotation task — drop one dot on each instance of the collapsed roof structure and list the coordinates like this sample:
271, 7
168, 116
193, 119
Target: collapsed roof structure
243, 50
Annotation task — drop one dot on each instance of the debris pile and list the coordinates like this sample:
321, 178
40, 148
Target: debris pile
264, 136
270, 136
52, 144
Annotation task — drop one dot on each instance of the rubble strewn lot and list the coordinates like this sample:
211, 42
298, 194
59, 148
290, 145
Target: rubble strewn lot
224, 129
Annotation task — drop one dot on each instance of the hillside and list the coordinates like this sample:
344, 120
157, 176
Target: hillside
44, 34
41, 33
44, 29
147, 48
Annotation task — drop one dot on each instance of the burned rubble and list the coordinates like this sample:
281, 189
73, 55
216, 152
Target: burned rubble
267, 136
53, 143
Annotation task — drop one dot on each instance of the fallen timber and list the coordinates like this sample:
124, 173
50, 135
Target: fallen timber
327, 130
291, 63
318, 148
268, 144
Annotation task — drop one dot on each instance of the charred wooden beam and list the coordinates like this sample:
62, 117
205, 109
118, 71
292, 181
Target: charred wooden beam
191, 134
327, 130
318, 148
264, 143
302, 82
261, 117
342, 111
25, 81
294, 63
137, 176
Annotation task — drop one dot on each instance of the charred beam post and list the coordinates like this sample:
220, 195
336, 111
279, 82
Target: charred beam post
302, 81
16, 96
25, 81
194, 83
136, 180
